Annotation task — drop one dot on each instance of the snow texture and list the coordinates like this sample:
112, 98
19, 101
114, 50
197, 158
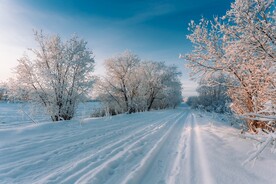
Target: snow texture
168, 146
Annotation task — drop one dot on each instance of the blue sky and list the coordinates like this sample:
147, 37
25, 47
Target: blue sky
155, 30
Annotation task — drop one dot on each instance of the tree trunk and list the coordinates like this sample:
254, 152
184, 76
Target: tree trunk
151, 102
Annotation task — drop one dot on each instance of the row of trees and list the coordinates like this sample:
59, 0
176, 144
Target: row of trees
132, 85
242, 46
58, 75
12, 91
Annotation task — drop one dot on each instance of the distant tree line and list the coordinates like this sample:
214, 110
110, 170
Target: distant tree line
11, 91
212, 98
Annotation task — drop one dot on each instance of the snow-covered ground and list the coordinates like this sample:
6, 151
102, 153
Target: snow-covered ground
168, 146
23, 114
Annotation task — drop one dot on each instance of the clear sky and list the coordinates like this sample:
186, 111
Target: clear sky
153, 29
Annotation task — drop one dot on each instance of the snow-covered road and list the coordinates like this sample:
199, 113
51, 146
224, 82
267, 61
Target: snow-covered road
170, 146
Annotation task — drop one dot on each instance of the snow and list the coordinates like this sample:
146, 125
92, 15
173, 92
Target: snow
168, 146
17, 114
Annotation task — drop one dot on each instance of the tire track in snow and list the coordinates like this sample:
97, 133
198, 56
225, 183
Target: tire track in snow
75, 170
101, 171
72, 133
203, 160
196, 168
70, 144
33, 162
177, 167
138, 174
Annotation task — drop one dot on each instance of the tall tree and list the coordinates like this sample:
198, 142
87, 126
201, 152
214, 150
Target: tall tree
120, 78
57, 73
160, 82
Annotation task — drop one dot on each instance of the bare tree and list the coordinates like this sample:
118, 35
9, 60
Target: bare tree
57, 74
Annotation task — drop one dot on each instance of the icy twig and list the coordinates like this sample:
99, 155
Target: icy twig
263, 143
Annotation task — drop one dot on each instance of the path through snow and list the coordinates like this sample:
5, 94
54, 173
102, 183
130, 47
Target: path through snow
171, 146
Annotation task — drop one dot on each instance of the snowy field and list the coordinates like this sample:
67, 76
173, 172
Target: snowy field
159, 147
23, 114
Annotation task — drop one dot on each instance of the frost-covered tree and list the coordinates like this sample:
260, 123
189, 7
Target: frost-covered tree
161, 86
131, 85
57, 74
241, 45
119, 85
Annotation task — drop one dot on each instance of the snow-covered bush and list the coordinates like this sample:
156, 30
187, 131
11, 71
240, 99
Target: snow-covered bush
242, 46
131, 85
57, 74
